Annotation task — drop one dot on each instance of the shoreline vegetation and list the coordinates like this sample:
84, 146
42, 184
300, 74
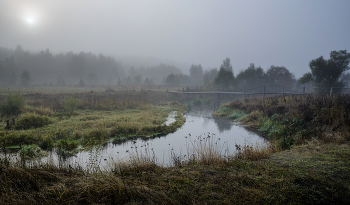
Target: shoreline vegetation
71, 122
306, 162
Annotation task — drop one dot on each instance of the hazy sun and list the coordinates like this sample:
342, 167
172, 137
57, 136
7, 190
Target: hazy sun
30, 20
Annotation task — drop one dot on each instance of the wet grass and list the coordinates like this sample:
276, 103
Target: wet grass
98, 117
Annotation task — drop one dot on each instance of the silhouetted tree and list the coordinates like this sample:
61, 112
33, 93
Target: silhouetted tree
225, 77
227, 65
61, 81
172, 80
146, 82
251, 77
25, 78
279, 75
81, 83
211, 74
327, 73
196, 73
92, 79
137, 80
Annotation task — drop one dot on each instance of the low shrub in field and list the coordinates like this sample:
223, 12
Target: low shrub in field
94, 137
70, 104
256, 152
30, 120
223, 111
61, 134
13, 105
66, 147
237, 114
10, 138
30, 151
124, 129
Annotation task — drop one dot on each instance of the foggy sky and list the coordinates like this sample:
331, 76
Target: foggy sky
268, 32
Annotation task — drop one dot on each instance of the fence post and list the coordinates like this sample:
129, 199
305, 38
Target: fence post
282, 90
303, 90
264, 91
330, 94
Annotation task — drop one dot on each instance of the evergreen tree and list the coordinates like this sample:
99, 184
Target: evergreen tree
25, 78
225, 77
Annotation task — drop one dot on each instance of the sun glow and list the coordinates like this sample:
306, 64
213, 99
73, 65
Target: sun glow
31, 15
30, 20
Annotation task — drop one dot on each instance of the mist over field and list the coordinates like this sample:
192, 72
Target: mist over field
174, 102
173, 43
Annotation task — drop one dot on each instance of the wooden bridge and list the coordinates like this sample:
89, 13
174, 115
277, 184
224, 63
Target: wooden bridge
245, 93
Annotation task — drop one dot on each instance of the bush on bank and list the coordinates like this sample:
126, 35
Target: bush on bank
294, 119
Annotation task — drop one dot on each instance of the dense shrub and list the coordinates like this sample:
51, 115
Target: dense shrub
13, 105
70, 103
66, 147
30, 120
16, 138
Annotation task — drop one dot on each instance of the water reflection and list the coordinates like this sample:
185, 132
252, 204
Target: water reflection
222, 124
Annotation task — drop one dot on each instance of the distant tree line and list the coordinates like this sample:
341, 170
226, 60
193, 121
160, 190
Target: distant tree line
324, 75
224, 78
23, 68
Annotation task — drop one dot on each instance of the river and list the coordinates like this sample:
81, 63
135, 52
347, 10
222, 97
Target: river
198, 126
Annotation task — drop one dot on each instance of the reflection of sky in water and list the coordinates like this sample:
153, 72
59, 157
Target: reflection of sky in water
197, 123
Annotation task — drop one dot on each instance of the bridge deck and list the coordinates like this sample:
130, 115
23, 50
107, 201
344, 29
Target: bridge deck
237, 93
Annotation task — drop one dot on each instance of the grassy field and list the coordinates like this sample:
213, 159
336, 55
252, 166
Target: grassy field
303, 168
66, 121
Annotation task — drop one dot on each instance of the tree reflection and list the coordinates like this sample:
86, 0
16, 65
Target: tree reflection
222, 124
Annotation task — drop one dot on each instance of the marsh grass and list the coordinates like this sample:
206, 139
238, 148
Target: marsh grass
99, 117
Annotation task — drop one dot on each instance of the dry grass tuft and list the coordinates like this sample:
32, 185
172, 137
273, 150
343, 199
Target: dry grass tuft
256, 152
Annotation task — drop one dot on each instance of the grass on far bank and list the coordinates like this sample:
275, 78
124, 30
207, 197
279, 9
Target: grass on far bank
93, 119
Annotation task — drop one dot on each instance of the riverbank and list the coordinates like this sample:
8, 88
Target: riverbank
293, 120
310, 174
